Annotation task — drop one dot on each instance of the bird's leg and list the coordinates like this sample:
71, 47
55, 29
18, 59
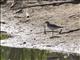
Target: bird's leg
60, 31
52, 33
44, 30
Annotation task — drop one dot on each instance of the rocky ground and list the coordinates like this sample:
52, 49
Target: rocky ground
29, 32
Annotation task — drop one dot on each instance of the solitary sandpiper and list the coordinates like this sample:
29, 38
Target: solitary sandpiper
53, 26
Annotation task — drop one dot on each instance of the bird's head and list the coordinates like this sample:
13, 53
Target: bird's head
47, 22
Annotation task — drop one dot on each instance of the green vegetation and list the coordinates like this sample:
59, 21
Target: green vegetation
22, 54
3, 36
32, 54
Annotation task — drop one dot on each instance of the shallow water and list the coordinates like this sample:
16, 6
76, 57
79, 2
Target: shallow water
34, 54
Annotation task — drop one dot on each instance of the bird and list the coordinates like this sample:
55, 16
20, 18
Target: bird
53, 26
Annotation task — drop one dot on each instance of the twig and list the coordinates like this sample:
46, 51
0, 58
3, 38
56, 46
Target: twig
49, 3
70, 31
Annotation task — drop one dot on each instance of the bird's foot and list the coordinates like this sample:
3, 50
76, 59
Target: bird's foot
44, 32
60, 31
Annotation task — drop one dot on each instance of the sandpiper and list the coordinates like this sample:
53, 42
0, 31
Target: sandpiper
53, 26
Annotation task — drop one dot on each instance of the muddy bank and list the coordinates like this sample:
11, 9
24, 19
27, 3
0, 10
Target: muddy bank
31, 30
